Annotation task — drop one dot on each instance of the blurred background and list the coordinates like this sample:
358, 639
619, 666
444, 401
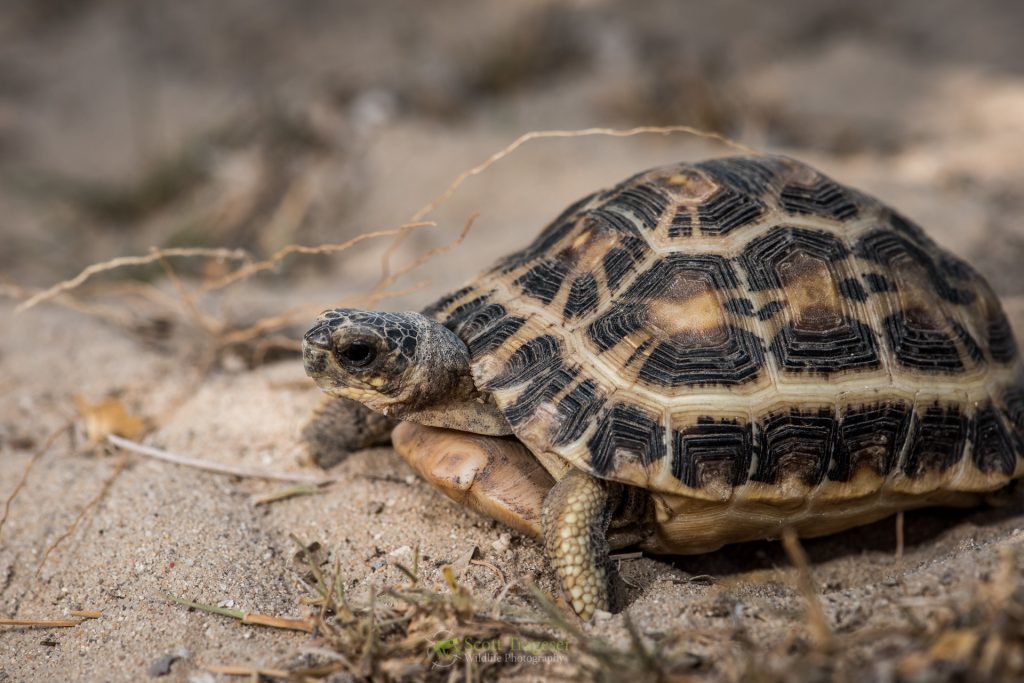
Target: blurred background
255, 124
251, 125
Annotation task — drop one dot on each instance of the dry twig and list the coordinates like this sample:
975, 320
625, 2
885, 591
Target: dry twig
585, 132
204, 321
122, 261
388, 280
219, 468
434, 204
492, 567
251, 269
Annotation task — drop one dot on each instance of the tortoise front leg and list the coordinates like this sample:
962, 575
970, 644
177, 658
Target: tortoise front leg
496, 476
576, 515
340, 426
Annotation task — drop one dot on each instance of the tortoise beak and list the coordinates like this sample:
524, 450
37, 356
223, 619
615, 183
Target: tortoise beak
318, 337
316, 348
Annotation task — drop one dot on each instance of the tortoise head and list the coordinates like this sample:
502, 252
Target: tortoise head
394, 363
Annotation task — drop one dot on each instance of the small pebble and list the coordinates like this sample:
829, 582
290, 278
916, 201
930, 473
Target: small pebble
162, 665
503, 542
401, 552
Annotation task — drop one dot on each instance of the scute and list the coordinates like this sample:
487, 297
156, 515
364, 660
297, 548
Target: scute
671, 328
747, 331
713, 455
871, 438
796, 444
627, 437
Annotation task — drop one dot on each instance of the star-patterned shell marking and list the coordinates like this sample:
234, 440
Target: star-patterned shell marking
748, 328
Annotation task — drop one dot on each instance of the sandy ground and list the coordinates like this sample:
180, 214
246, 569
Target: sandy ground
925, 110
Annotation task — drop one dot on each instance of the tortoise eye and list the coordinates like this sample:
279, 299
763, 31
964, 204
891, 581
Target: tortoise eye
357, 354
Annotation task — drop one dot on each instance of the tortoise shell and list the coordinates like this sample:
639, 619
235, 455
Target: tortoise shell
748, 329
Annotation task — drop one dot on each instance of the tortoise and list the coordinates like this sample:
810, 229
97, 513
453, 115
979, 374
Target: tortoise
702, 354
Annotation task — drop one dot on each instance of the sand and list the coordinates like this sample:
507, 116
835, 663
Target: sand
926, 114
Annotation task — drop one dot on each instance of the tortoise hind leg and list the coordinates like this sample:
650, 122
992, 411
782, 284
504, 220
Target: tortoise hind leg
577, 513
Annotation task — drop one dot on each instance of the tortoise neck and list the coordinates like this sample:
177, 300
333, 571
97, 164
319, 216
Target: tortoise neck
467, 410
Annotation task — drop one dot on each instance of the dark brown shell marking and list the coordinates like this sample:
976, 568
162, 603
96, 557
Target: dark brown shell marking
713, 329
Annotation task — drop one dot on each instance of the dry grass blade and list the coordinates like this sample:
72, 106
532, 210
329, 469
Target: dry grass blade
219, 468
246, 617
278, 622
319, 584
285, 494
393, 633
821, 635
118, 468
121, 262
85, 614
41, 623
40, 452
243, 670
